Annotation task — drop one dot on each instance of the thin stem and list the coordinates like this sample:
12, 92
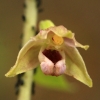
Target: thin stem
25, 89
30, 19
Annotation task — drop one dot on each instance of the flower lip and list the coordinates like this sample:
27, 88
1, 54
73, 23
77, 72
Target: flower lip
53, 55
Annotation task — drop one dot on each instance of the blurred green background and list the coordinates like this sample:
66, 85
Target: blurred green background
80, 16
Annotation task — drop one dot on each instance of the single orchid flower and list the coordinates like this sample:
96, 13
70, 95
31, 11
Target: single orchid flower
54, 49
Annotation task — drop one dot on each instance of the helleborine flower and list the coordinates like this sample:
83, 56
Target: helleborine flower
54, 48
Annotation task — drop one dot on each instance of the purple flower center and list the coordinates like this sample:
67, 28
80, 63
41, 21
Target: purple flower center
53, 55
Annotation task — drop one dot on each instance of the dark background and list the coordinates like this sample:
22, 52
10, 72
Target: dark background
80, 16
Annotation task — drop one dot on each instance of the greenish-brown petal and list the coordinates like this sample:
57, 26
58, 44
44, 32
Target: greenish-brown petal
75, 65
27, 58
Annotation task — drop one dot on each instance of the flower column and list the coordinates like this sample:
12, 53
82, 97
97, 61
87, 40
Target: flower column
30, 19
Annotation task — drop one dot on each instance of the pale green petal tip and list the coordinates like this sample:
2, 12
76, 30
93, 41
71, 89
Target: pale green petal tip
70, 34
7, 75
10, 74
46, 24
89, 83
86, 47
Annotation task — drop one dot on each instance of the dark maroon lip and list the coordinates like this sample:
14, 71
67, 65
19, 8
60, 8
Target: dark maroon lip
53, 55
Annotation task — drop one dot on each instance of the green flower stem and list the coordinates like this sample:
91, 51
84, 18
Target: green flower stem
25, 90
30, 13
30, 20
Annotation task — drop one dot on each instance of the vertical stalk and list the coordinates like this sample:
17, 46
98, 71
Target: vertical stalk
30, 19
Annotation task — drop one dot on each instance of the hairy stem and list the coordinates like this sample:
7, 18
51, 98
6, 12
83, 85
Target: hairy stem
30, 19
